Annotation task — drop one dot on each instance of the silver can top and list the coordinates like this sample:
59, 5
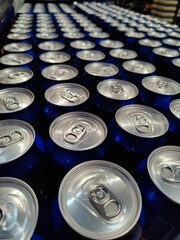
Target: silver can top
45, 30
16, 59
171, 42
123, 53
166, 52
117, 89
134, 34
18, 36
163, 166
101, 69
176, 62
139, 67
74, 35
107, 197
108, 43
20, 30
99, 34
78, 131
150, 43
17, 47
175, 108
16, 138
15, 99
93, 29
55, 57
90, 55
82, 44
59, 72
142, 121
161, 85
66, 94
51, 46
19, 209
15, 75
70, 29
157, 34
45, 35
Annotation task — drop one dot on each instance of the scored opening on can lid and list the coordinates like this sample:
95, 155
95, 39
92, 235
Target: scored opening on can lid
101, 69
175, 107
18, 205
139, 67
100, 200
78, 131
163, 166
142, 121
16, 59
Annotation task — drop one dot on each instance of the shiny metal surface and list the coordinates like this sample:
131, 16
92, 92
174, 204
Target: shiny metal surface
139, 67
16, 59
101, 69
175, 108
90, 55
166, 52
15, 75
17, 47
108, 43
55, 57
123, 53
82, 44
51, 46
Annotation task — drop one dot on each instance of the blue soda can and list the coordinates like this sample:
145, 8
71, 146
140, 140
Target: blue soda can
109, 44
159, 91
19, 47
107, 209
96, 37
78, 45
132, 38
118, 56
58, 73
171, 43
173, 69
110, 95
138, 128
160, 187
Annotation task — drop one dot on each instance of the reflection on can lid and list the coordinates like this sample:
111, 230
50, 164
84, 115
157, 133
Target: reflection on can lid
82, 44
93, 29
15, 75
164, 168
51, 46
157, 34
90, 55
101, 69
176, 62
15, 99
17, 47
150, 43
166, 52
161, 85
117, 89
74, 35
18, 36
123, 53
16, 138
19, 209
55, 57
107, 197
66, 94
47, 35
16, 59
171, 42
20, 30
108, 43
78, 131
142, 121
175, 108
139, 67
134, 34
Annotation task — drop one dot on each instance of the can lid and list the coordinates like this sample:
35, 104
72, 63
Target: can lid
51, 46
139, 67
123, 53
59, 72
18, 36
101, 69
163, 166
16, 59
161, 85
74, 35
17, 47
82, 44
20, 30
157, 34
108, 43
66, 94
149, 42
15, 99
117, 89
78, 131
18, 209
172, 42
70, 29
99, 34
176, 62
93, 29
134, 34
45, 30
174, 34
15, 75
107, 197
166, 52
91, 55
44, 25
55, 57
175, 108
45, 35
142, 121
16, 138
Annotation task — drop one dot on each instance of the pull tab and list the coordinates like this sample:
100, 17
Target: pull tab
17, 75
104, 202
18, 60
136, 67
162, 85
10, 138
170, 172
70, 95
11, 103
141, 122
8, 216
117, 88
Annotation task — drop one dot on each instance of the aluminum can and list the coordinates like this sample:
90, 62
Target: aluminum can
171, 43
68, 37
108, 44
58, 73
118, 56
101, 201
74, 137
41, 37
96, 37
19, 37
156, 35
132, 38
19, 47
160, 188
138, 129
173, 69
78, 45
159, 91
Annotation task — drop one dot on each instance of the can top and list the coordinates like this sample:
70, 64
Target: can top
108, 43
59, 72
166, 52
66, 94
163, 167
78, 131
117, 89
46, 30
134, 34
55, 57
70, 29
16, 138
15, 99
123, 53
18, 36
51, 46
161, 85
16, 59
139, 67
17, 47
93, 29
82, 44
107, 197
176, 62
155, 34
20, 30
74, 35
101, 69
15, 75
19, 209
141, 121
171, 42
45, 35
175, 108
99, 34
149, 43
90, 55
